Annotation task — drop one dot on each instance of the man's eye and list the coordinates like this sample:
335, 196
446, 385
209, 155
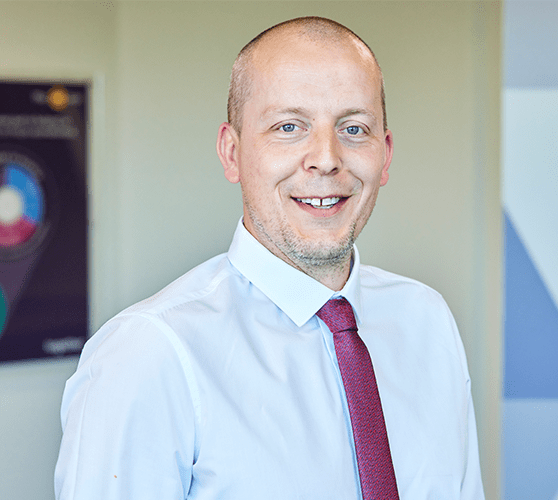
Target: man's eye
288, 127
353, 130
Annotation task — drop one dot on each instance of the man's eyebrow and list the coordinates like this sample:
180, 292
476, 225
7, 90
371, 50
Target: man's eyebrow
277, 111
357, 111
273, 110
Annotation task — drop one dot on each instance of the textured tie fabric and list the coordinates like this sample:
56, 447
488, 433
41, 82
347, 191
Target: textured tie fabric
377, 477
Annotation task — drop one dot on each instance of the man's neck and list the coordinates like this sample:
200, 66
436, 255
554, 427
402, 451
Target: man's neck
334, 277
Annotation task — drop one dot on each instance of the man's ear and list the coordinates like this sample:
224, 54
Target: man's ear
227, 150
388, 138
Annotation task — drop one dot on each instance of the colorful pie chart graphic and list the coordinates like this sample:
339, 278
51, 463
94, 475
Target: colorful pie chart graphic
21, 206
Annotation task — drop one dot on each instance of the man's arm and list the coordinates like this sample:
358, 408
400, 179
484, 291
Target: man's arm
127, 417
471, 488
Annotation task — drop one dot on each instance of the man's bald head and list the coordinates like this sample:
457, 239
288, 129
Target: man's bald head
315, 29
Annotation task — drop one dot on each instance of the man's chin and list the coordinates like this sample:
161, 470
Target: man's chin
324, 253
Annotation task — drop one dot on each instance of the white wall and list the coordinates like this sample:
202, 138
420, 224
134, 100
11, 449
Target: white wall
160, 204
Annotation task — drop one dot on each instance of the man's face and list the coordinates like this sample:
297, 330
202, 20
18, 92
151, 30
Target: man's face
312, 152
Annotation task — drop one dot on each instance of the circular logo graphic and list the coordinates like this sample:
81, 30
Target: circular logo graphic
22, 206
58, 98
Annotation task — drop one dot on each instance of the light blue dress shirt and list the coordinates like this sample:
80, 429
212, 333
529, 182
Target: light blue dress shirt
225, 385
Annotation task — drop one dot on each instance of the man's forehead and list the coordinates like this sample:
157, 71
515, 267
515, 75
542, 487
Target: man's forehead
287, 62
287, 43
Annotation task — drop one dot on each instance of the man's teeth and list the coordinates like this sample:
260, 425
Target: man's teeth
320, 202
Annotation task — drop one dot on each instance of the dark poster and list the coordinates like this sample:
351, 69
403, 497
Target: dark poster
43, 219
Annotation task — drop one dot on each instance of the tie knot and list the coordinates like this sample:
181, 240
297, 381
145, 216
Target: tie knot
338, 315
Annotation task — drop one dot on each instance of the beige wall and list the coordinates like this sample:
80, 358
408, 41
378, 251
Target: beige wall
159, 202
54, 40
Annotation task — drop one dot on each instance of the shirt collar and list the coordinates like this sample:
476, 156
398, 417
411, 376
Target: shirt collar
294, 292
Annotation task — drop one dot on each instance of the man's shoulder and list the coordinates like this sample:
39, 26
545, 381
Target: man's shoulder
157, 316
195, 286
192, 286
374, 278
418, 312
394, 294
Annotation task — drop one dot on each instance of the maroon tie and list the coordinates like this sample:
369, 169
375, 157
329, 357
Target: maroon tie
377, 477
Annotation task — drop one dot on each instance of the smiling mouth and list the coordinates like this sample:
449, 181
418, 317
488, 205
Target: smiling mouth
323, 203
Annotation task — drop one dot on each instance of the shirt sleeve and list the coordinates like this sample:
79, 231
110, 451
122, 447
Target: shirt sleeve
471, 488
127, 417
471, 484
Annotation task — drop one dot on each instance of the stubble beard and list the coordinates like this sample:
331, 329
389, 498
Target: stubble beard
317, 254
305, 254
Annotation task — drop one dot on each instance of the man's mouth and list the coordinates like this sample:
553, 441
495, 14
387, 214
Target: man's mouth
323, 203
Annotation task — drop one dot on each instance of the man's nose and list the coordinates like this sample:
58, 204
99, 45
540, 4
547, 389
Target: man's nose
323, 152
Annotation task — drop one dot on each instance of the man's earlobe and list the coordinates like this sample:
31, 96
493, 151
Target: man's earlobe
389, 155
227, 150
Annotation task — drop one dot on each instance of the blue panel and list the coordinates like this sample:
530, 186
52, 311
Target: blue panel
531, 44
530, 449
530, 326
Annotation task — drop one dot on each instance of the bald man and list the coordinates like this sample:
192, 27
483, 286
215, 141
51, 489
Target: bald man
283, 369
